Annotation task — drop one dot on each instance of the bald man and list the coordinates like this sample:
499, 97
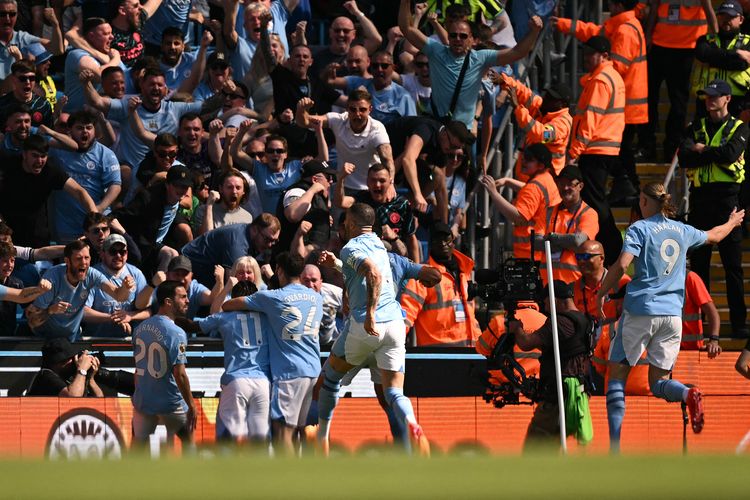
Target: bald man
358, 62
333, 302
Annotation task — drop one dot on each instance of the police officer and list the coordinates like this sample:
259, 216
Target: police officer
713, 152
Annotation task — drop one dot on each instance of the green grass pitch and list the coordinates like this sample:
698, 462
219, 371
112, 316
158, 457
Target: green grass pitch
382, 476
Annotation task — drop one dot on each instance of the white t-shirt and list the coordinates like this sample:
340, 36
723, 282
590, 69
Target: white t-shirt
358, 149
419, 92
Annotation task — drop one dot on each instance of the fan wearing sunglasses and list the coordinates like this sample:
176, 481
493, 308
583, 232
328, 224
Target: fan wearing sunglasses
23, 82
103, 316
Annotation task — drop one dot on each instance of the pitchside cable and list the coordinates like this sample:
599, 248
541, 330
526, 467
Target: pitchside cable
556, 347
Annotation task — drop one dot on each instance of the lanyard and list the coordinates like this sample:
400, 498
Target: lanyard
571, 221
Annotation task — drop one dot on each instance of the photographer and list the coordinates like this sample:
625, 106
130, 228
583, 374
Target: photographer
575, 350
66, 372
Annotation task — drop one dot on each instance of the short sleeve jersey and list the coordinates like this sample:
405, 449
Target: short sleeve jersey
158, 346
294, 313
68, 323
245, 336
360, 149
100, 301
659, 246
354, 253
271, 185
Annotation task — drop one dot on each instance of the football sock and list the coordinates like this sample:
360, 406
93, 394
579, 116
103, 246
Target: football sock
400, 404
671, 390
328, 398
396, 424
615, 412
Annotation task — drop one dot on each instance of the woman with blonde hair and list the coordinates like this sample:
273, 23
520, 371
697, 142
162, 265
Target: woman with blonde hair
652, 310
244, 269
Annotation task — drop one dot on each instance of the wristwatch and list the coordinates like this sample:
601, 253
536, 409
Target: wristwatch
82, 372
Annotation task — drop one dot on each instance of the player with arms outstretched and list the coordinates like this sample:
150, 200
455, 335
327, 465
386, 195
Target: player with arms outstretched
652, 309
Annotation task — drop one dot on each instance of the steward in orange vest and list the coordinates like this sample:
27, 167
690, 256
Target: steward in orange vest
672, 29
697, 300
544, 119
443, 315
533, 205
572, 223
597, 132
628, 57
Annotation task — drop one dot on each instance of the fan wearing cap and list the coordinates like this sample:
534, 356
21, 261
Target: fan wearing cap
598, 125
180, 269
58, 313
307, 200
443, 315
545, 119
575, 352
531, 207
149, 217
628, 55
23, 81
217, 72
713, 151
45, 84
395, 221
724, 55
104, 316
9, 37
66, 372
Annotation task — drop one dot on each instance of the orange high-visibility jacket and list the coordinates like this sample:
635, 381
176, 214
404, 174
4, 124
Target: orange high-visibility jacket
679, 24
534, 202
696, 296
552, 129
432, 311
583, 220
532, 320
628, 56
600, 115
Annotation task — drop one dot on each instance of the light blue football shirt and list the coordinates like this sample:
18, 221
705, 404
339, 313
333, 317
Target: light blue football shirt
271, 185
68, 323
170, 13
389, 103
294, 313
354, 253
659, 245
245, 336
100, 301
158, 345
95, 170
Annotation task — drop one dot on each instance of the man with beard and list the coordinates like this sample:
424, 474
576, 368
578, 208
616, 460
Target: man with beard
180, 269
12, 291
126, 27
224, 207
443, 315
103, 316
395, 222
9, 37
226, 244
94, 166
66, 372
98, 33
157, 115
162, 396
26, 183
23, 79
180, 67
59, 311
18, 128
413, 137
390, 100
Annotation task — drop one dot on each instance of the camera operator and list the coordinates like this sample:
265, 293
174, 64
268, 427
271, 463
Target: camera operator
66, 372
575, 351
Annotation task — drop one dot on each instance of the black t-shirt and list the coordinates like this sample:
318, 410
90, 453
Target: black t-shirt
571, 366
47, 383
41, 110
401, 129
396, 213
199, 163
8, 309
130, 43
23, 199
323, 57
288, 90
